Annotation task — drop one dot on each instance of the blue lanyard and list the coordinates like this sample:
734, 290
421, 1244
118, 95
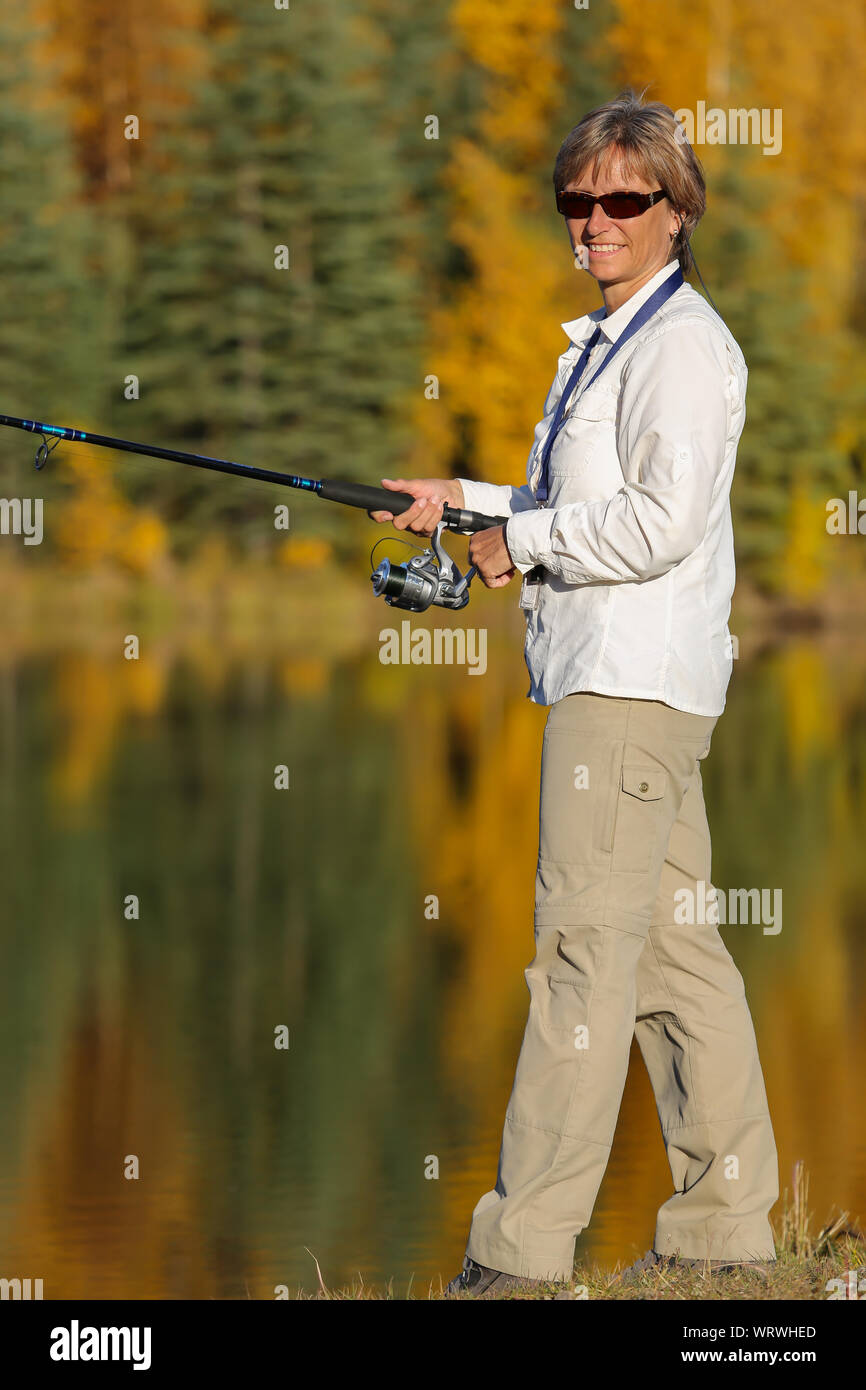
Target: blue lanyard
643, 315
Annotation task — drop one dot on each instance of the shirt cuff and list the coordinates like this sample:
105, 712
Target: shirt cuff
527, 535
490, 499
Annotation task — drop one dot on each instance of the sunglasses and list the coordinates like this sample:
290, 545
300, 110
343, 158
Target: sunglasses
619, 206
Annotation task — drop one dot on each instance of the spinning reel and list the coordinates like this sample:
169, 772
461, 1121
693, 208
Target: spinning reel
430, 577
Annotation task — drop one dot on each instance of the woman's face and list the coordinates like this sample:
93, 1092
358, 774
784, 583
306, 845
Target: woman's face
628, 252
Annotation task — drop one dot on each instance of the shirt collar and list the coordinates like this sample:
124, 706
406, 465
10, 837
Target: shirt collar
613, 324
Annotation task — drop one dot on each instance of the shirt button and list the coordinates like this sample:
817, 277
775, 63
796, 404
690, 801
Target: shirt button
644, 787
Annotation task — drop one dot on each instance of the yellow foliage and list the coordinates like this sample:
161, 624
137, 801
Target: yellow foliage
805, 562
305, 676
494, 349
87, 527
90, 699
304, 552
97, 526
678, 49
145, 681
514, 43
498, 348
144, 542
811, 714
806, 63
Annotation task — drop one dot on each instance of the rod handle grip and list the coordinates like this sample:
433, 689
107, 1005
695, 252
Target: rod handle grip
379, 499
372, 499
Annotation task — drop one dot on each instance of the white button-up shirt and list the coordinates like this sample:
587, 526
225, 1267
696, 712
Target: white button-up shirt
635, 538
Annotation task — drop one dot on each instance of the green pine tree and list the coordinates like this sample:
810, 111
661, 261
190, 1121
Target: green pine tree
54, 329
791, 406
301, 370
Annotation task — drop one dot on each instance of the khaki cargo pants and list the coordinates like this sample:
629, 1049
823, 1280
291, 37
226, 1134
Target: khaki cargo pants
622, 829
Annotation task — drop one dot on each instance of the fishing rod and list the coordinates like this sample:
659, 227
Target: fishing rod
430, 577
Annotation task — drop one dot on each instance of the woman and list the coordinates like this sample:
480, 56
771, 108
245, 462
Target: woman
623, 537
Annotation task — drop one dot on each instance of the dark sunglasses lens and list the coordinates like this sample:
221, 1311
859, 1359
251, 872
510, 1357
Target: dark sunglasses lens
574, 204
623, 205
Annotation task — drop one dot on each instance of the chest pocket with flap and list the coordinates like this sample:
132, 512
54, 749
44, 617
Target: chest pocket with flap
588, 430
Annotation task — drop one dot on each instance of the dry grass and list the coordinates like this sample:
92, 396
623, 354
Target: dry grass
806, 1259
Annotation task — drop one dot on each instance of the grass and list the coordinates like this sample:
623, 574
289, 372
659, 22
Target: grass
806, 1260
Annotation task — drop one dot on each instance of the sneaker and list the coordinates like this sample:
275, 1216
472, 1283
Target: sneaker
729, 1266
652, 1260
480, 1282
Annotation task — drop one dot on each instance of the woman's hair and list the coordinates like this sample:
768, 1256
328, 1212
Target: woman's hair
652, 145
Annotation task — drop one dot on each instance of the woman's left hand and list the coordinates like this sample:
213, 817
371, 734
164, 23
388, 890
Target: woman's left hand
489, 554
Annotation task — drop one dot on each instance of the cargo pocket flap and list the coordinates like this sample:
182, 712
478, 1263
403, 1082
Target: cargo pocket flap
648, 783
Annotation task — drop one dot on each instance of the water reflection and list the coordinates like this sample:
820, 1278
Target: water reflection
380, 909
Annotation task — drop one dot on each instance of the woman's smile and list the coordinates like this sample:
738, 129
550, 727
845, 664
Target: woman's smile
603, 248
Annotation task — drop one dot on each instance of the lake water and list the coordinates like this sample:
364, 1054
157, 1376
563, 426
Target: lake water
150, 1038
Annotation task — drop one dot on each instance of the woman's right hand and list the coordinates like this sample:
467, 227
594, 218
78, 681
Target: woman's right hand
431, 495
